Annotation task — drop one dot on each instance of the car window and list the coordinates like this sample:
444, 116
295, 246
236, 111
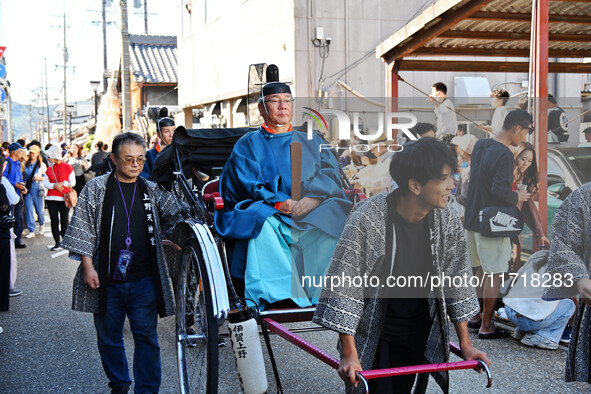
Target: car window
554, 172
560, 182
582, 165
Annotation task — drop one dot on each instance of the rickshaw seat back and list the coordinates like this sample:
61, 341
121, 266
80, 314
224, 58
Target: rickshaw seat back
212, 197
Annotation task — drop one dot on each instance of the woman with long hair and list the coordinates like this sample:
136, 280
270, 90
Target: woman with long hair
33, 170
58, 180
77, 161
525, 176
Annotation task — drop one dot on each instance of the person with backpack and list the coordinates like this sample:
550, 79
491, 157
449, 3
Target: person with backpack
491, 177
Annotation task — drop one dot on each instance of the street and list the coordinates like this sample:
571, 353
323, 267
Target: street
47, 348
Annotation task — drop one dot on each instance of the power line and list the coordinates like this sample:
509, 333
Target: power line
86, 21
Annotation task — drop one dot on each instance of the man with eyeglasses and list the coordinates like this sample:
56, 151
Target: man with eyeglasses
491, 179
278, 239
116, 234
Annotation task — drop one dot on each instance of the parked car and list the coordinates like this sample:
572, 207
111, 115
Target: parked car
568, 168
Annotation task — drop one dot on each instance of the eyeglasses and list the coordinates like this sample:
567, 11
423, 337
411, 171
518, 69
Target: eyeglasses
530, 129
129, 160
280, 101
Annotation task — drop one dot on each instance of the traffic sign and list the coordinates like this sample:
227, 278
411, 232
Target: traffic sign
2, 111
2, 70
2, 49
2, 95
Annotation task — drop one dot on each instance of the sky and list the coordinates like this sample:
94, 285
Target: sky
32, 30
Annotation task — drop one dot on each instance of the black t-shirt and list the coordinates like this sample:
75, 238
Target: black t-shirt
408, 309
491, 177
98, 157
142, 261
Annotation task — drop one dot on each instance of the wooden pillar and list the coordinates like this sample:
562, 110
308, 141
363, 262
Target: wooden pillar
541, 103
392, 91
188, 122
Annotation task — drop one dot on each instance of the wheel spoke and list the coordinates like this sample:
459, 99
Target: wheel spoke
196, 328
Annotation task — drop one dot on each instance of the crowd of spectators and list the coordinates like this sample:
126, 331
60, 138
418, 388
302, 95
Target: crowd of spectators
35, 179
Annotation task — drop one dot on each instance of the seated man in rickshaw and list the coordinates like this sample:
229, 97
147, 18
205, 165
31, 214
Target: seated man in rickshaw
278, 239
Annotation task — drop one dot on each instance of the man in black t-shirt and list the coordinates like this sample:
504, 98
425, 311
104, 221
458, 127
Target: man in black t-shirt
397, 239
491, 179
116, 233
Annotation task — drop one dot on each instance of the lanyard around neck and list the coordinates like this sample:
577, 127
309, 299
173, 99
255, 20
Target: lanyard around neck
127, 212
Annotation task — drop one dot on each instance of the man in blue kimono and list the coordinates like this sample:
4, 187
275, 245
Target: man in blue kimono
278, 239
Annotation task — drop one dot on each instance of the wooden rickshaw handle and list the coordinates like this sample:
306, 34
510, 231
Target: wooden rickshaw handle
296, 170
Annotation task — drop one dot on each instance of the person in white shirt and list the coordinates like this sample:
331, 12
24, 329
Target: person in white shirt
538, 322
499, 98
447, 122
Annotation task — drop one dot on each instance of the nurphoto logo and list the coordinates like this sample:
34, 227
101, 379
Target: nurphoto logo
344, 128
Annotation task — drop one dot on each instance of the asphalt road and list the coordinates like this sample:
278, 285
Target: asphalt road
47, 348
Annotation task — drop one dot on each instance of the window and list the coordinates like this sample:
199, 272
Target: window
582, 164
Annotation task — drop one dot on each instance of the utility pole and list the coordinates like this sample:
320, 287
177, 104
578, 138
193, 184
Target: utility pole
39, 122
47, 106
146, 16
30, 134
125, 60
104, 45
10, 133
39, 107
65, 72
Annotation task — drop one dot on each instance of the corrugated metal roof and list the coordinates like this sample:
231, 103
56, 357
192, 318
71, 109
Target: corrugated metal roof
491, 28
153, 58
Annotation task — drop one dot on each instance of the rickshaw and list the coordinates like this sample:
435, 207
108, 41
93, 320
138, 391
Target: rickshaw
198, 266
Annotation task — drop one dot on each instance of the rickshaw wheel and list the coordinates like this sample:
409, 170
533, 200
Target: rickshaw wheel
196, 327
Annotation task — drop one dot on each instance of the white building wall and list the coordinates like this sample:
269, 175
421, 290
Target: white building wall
215, 55
356, 28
